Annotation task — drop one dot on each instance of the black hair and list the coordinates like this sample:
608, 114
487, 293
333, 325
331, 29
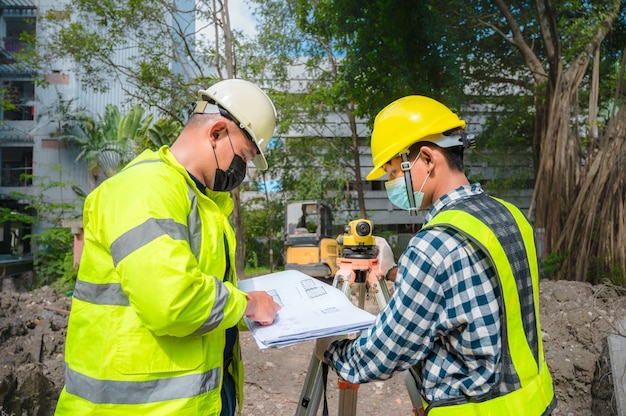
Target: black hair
198, 119
453, 155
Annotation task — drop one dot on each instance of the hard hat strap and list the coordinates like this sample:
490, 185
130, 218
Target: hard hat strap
205, 107
406, 169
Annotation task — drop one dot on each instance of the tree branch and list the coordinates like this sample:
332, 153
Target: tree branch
520, 43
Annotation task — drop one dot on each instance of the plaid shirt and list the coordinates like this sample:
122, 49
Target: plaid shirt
443, 315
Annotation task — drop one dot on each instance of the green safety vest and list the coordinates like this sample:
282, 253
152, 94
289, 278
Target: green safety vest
525, 387
147, 328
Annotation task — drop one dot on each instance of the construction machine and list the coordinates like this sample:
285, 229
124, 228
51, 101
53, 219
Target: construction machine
309, 244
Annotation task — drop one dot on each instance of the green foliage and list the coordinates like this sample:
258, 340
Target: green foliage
398, 48
5, 104
598, 272
53, 246
313, 168
302, 36
257, 253
550, 266
163, 132
257, 271
108, 143
262, 221
92, 33
252, 260
65, 114
54, 261
508, 123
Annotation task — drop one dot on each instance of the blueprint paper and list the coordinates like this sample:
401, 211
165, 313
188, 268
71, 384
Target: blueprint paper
310, 309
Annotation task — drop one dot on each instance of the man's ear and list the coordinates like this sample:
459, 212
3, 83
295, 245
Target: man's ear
428, 155
216, 129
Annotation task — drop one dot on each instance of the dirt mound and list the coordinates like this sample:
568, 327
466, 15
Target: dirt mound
576, 319
32, 336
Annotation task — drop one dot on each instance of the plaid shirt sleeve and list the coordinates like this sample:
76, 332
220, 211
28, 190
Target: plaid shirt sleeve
443, 315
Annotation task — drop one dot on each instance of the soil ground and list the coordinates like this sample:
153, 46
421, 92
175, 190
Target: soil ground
576, 319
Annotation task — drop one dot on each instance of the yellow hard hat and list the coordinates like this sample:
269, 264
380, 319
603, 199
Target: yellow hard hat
408, 120
247, 105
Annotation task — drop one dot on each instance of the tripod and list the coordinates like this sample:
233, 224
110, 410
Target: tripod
361, 268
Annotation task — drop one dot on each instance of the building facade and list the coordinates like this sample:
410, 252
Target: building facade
31, 154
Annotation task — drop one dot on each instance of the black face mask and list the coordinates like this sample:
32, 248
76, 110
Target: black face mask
232, 178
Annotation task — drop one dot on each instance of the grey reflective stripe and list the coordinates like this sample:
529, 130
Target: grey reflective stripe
143, 162
101, 294
139, 392
217, 312
142, 234
194, 225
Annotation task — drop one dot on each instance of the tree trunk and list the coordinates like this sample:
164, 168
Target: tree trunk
560, 161
594, 236
358, 180
560, 184
222, 16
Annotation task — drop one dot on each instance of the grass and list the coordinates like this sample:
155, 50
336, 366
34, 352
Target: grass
259, 271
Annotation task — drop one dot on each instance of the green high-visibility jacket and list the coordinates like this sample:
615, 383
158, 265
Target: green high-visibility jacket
525, 386
152, 304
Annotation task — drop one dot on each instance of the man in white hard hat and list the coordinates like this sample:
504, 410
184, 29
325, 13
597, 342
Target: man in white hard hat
153, 326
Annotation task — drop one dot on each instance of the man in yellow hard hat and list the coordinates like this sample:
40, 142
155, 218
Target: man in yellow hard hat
464, 314
155, 311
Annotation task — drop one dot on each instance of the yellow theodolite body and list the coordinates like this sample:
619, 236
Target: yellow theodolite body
358, 233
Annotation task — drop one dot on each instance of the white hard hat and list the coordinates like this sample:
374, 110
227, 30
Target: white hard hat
245, 104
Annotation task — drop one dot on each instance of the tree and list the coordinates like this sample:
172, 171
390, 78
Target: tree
52, 245
107, 144
303, 55
540, 49
599, 209
263, 231
400, 48
134, 45
556, 44
160, 51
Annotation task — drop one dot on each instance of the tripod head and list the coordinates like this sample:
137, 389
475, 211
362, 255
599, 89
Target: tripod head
358, 241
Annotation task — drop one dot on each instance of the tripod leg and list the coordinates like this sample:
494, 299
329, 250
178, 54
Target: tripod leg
378, 286
313, 389
362, 293
411, 380
382, 293
347, 398
311, 394
345, 287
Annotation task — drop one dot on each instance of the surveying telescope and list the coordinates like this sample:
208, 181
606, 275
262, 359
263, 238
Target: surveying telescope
357, 240
358, 265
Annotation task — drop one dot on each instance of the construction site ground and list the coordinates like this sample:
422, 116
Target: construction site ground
576, 318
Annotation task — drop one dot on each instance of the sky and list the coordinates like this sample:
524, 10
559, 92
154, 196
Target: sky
241, 17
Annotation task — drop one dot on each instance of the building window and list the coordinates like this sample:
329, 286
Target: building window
17, 166
20, 95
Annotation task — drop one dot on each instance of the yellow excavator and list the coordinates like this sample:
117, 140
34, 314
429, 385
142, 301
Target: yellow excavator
309, 244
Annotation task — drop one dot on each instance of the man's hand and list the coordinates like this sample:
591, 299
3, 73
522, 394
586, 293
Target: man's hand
261, 307
321, 345
386, 261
